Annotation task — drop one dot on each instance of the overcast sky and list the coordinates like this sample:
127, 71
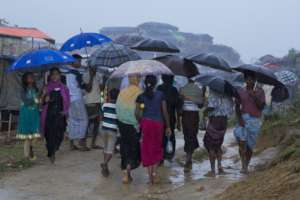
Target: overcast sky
252, 27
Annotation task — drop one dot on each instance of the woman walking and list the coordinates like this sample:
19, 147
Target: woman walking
151, 111
56, 104
29, 118
219, 108
129, 128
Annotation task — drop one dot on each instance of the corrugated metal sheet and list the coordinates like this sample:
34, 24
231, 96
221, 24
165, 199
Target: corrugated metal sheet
25, 32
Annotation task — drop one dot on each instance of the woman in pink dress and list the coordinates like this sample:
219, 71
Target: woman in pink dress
151, 112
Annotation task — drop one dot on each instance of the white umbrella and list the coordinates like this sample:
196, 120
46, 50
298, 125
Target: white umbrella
141, 68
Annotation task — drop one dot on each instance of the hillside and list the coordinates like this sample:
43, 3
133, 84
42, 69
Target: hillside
280, 179
189, 43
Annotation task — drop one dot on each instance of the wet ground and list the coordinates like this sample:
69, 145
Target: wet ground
76, 176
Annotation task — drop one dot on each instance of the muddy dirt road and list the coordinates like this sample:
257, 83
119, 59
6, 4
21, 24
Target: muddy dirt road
76, 176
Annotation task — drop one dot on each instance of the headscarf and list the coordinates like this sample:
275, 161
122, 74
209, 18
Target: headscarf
126, 102
64, 92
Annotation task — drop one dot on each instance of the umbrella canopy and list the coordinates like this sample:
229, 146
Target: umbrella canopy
263, 75
156, 46
41, 58
84, 40
141, 68
286, 77
112, 55
216, 83
179, 65
212, 61
128, 40
279, 94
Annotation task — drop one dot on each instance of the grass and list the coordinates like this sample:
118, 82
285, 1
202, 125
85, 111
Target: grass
12, 157
290, 118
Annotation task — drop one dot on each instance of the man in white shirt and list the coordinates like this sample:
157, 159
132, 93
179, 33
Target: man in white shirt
77, 116
92, 101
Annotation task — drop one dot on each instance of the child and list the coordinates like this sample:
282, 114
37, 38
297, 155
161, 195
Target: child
109, 129
29, 117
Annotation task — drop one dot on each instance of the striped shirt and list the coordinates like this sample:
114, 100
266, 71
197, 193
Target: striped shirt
109, 121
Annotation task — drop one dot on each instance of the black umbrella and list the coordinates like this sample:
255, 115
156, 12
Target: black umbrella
156, 46
217, 84
128, 40
211, 60
111, 56
179, 65
279, 94
263, 75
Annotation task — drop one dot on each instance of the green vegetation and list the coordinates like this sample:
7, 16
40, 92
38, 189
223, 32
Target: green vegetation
12, 157
289, 118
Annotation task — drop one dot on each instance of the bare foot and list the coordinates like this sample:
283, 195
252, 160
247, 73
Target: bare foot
221, 171
188, 167
244, 171
155, 178
125, 178
210, 174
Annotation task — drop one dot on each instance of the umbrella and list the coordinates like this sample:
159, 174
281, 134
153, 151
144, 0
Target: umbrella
263, 75
128, 40
112, 55
211, 60
216, 83
279, 94
141, 68
286, 77
84, 40
41, 58
179, 65
156, 46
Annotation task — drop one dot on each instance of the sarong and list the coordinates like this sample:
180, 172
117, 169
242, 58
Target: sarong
250, 131
129, 146
215, 131
190, 127
78, 120
151, 144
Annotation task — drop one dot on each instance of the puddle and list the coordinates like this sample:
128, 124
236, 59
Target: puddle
77, 176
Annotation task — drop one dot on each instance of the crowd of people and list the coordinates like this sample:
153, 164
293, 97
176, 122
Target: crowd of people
141, 120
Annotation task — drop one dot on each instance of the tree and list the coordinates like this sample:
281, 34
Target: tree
291, 57
3, 22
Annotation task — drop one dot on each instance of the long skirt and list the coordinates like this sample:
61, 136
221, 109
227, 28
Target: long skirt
129, 146
54, 131
77, 120
151, 144
190, 127
215, 132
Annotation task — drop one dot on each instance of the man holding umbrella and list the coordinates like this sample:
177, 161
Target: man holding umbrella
249, 108
77, 119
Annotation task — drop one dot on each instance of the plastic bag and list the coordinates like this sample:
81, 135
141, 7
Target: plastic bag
169, 146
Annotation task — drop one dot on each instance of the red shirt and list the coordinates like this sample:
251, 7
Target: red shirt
248, 104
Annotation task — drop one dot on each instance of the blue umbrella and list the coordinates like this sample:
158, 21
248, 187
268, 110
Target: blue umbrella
40, 58
84, 40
